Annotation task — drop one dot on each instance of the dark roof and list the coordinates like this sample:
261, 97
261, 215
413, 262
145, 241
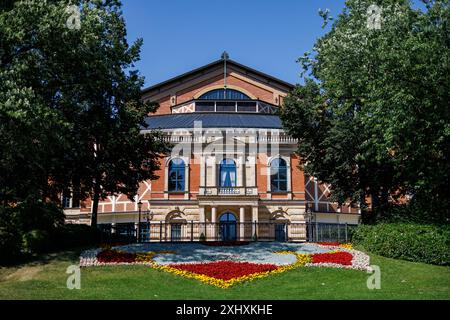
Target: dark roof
220, 61
215, 120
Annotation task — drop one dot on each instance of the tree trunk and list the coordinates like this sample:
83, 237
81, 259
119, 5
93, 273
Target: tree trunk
95, 205
384, 198
364, 210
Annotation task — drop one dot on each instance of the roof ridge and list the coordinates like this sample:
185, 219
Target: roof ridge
220, 61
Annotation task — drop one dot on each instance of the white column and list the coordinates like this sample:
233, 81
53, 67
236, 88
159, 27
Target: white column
241, 167
202, 171
254, 219
213, 220
241, 223
214, 172
202, 220
250, 173
113, 203
213, 214
202, 214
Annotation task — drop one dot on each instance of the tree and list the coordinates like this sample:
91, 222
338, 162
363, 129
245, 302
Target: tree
68, 76
374, 121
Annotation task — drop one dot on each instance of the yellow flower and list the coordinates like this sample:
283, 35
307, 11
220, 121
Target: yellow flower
145, 257
301, 260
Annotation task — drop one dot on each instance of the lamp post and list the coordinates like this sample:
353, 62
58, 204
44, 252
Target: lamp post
139, 222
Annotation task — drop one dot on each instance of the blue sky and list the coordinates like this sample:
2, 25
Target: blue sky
268, 35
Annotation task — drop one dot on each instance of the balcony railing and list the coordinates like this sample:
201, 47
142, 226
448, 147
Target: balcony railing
228, 191
174, 138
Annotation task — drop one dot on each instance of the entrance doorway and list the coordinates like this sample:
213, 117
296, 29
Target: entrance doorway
228, 227
175, 232
280, 232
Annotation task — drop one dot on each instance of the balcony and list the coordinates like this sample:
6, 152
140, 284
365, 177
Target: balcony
228, 191
203, 138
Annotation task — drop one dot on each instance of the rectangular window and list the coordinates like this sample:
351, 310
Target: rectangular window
226, 107
246, 106
66, 201
204, 107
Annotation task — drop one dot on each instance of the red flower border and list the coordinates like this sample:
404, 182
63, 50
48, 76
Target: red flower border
341, 257
112, 256
225, 270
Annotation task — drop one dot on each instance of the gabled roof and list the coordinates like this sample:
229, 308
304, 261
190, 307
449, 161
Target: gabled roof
217, 63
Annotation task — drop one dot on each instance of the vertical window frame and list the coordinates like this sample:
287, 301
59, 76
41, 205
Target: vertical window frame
177, 183
281, 167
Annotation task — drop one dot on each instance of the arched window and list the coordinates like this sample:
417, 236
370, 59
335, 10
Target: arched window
224, 94
278, 175
228, 173
228, 217
176, 175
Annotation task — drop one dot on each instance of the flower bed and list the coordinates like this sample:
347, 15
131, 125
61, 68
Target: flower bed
340, 257
336, 244
224, 266
112, 256
225, 270
224, 274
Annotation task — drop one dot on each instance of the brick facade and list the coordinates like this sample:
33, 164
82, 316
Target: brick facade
199, 202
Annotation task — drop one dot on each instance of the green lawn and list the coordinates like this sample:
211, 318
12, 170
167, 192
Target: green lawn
46, 279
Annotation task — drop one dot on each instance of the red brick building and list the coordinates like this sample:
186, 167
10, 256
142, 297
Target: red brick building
232, 164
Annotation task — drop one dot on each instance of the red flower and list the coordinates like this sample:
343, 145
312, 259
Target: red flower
111, 256
225, 270
343, 258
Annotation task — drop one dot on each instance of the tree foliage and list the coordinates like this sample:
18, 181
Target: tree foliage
71, 111
374, 121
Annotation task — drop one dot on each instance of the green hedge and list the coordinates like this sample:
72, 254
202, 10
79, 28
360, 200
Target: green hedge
406, 241
29, 229
73, 236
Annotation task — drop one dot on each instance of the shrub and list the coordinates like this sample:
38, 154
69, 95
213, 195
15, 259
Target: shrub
10, 245
39, 215
36, 241
406, 241
37, 227
10, 236
73, 236
411, 212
